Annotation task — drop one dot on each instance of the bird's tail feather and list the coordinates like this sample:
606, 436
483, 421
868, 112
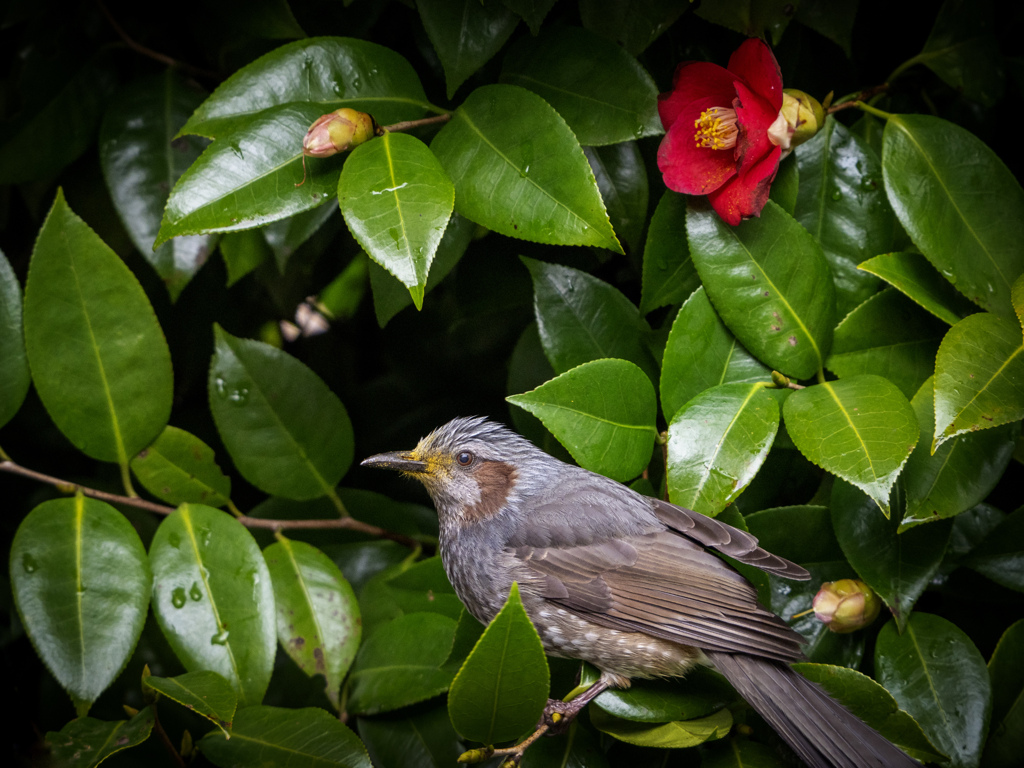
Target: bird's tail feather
823, 732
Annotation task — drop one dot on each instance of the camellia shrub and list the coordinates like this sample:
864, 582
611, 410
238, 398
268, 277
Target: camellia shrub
246, 246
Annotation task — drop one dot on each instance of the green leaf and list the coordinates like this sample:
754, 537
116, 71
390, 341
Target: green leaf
500, 692
269, 736
98, 356
634, 25
331, 72
465, 34
402, 663
750, 17
875, 706
669, 275
213, 598
701, 353
716, 444
603, 412
842, 203
962, 471
898, 566
963, 50
1000, 555
421, 738
531, 11
504, 137
83, 617
396, 199
318, 621
1006, 673
204, 692
1018, 298
770, 284
834, 21
861, 429
890, 336
422, 587
141, 164
14, 373
580, 748
243, 252
703, 693
786, 185
180, 468
87, 742
581, 318
674, 735
979, 377
286, 235
622, 179
741, 753
602, 92
937, 675
911, 274
960, 205
287, 433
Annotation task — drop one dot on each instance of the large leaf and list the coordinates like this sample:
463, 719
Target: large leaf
204, 692
14, 373
1000, 554
288, 434
180, 468
621, 177
602, 92
861, 429
770, 283
83, 616
958, 202
98, 357
506, 138
331, 72
675, 735
603, 412
963, 50
979, 377
213, 598
669, 275
716, 444
661, 701
424, 737
502, 688
937, 675
396, 199
1006, 672
86, 742
634, 24
141, 164
911, 274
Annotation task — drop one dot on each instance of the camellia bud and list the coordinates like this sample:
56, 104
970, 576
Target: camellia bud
337, 131
800, 118
846, 605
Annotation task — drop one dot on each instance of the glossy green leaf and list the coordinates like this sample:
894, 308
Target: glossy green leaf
750, 17
770, 283
603, 412
98, 356
287, 433
634, 25
875, 706
82, 616
269, 736
622, 179
937, 675
579, 748
1000, 555
213, 598
243, 252
674, 735
961, 206
911, 274
141, 164
701, 353
602, 92
331, 72
506, 138
861, 429
581, 318
178, 467
502, 688
786, 185
465, 34
979, 377
898, 566
890, 336
963, 50
833, 20
842, 203
396, 199
961, 473
716, 444
1006, 672
422, 587
702, 693
669, 275
286, 235
87, 742
402, 663
204, 692
318, 621
14, 373
421, 738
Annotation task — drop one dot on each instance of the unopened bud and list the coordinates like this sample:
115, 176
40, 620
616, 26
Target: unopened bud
846, 605
337, 131
800, 118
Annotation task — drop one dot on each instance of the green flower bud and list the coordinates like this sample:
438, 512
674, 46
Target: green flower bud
800, 118
338, 131
846, 605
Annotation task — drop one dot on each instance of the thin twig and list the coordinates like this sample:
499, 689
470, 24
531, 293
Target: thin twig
166, 740
863, 96
406, 125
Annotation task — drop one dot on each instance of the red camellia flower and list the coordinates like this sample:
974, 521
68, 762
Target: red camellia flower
725, 133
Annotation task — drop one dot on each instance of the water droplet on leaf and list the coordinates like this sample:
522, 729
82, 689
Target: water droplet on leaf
195, 593
178, 597
29, 564
221, 638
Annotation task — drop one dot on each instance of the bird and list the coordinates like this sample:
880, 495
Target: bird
627, 582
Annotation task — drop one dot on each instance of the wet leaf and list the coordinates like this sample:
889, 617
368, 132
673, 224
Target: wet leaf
1006, 673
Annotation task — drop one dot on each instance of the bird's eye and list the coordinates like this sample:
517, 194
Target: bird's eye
465, 458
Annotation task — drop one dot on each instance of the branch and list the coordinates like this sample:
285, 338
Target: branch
406, 125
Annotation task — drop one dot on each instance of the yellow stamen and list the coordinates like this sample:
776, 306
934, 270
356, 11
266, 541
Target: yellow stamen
716, 128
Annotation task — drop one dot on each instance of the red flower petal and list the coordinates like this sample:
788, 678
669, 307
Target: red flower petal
686, 167
754, 116
693, 81
745, 195
755, 63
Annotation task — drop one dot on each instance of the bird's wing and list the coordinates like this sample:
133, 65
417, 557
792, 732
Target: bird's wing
664, 585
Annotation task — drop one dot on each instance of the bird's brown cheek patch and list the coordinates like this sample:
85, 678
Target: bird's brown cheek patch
495, 480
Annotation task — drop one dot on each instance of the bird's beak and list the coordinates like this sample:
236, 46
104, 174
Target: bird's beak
403, 461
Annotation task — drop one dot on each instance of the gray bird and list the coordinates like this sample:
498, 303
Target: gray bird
623, 581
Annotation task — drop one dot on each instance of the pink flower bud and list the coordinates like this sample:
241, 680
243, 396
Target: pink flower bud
338, 131
846, 605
